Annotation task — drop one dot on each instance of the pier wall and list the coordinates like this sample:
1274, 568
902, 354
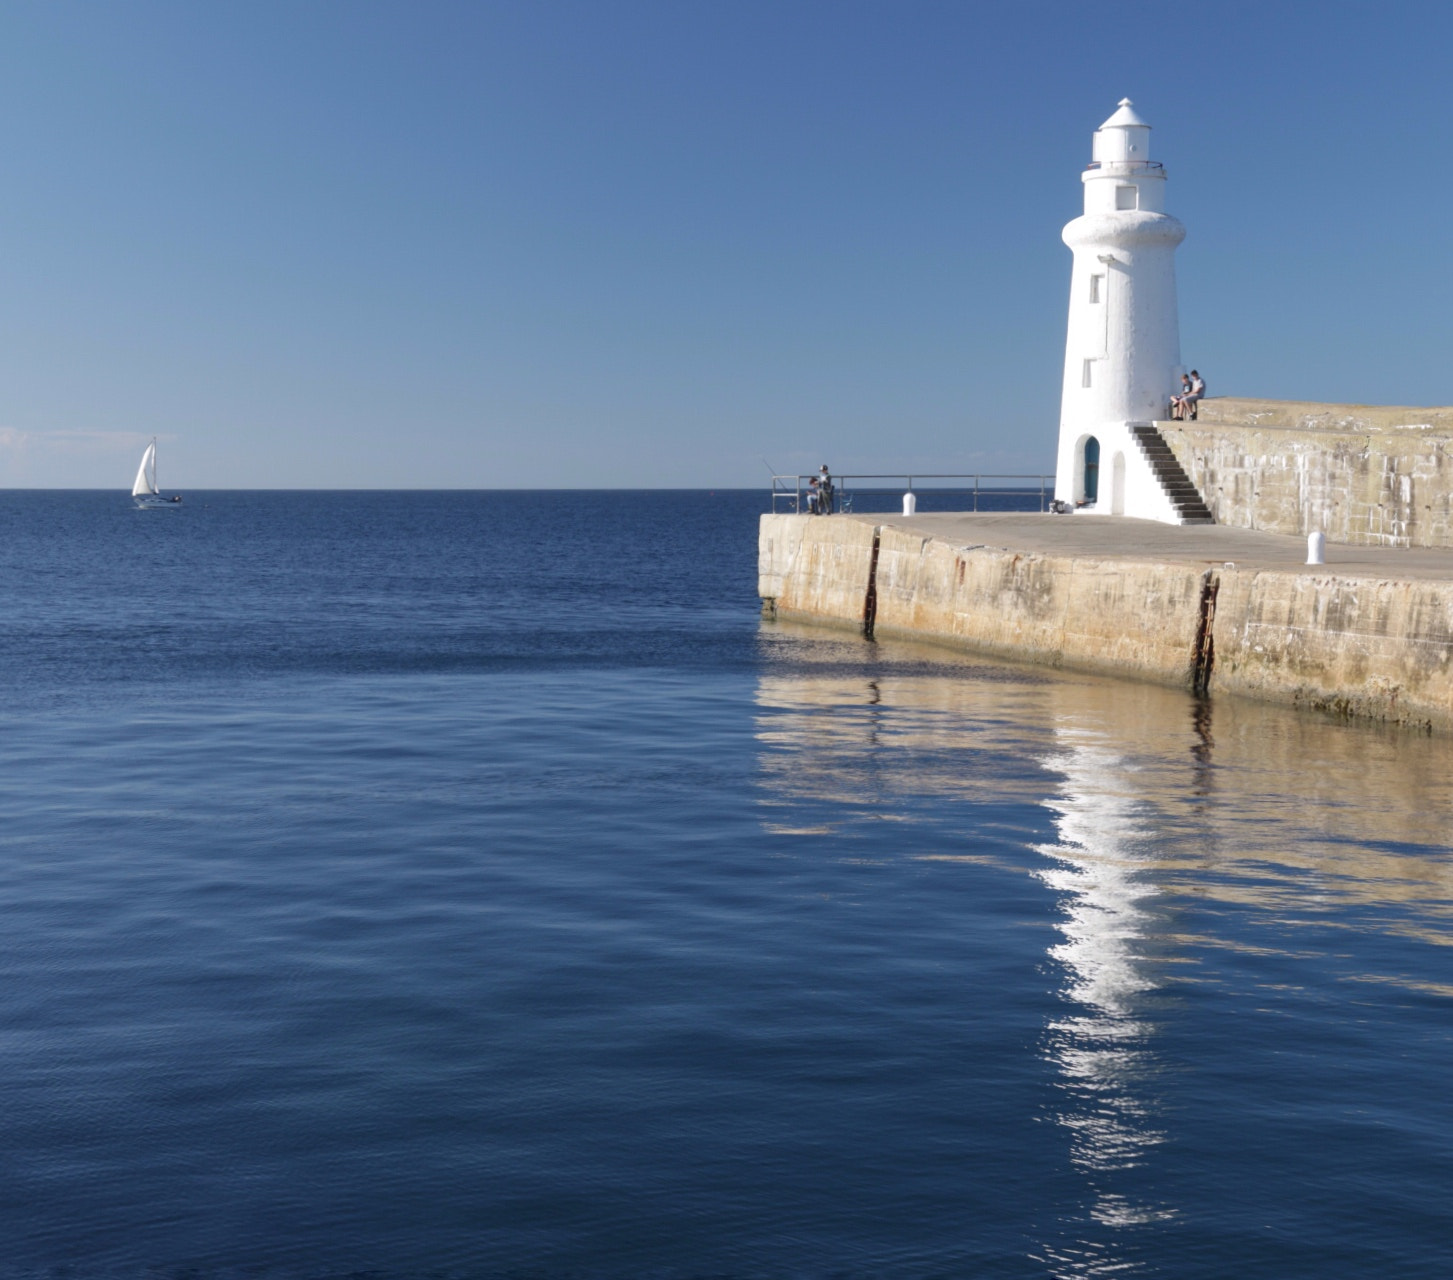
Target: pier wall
1361, 474
1353, 645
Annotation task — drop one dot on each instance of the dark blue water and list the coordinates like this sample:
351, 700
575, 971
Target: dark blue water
469, 885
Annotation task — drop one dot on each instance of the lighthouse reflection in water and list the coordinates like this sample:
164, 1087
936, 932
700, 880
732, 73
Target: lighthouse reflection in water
1176, 973
1102, 869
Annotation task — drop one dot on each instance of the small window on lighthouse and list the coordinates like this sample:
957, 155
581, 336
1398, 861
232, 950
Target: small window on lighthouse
1096, 283
1125, 198
1085, 378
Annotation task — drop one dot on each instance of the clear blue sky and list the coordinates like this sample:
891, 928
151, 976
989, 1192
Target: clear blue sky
355, 244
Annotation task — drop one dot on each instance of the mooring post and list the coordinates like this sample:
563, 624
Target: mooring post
1316, 548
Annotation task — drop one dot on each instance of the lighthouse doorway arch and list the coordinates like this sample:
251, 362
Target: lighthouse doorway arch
1090, 468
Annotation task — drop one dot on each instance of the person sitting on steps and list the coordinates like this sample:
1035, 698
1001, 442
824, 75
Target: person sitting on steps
1177, 403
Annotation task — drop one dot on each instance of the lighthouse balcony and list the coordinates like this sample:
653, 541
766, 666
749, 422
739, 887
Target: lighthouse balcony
1148, 167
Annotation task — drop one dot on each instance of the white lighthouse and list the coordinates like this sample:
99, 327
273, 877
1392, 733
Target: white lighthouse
1122, 355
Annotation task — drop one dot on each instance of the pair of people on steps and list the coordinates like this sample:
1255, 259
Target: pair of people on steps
1183, 406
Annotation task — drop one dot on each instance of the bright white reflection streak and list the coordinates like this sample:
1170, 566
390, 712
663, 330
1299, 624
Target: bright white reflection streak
1101, 1050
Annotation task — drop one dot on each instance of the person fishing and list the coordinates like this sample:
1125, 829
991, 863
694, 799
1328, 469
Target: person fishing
824, 491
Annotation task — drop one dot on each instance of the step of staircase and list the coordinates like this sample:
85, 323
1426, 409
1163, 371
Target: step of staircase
1184, 496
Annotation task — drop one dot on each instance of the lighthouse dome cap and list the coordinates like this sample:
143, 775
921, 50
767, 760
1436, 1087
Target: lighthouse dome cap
1125, 118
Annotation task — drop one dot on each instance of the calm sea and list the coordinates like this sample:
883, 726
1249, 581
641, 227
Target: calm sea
469, 885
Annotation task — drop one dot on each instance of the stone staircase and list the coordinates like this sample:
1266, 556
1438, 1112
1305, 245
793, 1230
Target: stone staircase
1184, 496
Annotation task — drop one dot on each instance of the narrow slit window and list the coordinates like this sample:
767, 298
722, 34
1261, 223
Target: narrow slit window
1127, 197
1097, 284
1085, 377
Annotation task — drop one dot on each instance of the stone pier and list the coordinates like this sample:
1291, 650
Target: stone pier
1208, 608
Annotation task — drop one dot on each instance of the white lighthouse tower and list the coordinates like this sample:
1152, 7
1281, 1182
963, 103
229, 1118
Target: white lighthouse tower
1122, 355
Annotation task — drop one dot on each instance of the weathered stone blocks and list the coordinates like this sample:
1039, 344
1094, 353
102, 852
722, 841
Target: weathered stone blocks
1362, 474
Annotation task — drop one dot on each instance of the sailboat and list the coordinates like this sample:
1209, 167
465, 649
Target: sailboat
144, 491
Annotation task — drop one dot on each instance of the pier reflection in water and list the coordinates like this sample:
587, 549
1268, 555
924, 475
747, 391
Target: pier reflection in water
1238, 949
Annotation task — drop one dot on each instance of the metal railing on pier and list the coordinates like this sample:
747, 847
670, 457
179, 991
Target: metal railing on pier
967, 491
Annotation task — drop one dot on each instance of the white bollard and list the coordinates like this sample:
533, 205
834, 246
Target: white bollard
910, 503
1316, 548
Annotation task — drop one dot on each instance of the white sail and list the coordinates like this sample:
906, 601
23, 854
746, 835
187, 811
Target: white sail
146, 473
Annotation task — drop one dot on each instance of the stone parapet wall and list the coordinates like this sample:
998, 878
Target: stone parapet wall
1355, 645
1362, 474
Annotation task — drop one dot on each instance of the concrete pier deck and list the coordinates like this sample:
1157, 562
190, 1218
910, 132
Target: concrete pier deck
1119, 538
1210, 608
